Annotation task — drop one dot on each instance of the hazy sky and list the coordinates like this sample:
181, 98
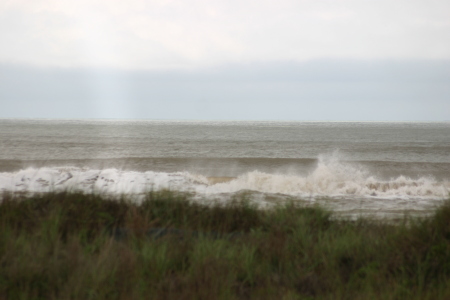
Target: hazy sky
283, 60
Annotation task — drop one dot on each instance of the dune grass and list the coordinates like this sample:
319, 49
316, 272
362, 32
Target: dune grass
75, 246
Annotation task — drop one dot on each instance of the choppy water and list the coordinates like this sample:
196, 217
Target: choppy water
355, 168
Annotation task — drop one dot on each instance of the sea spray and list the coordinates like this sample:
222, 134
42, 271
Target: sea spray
331, 178
334, 178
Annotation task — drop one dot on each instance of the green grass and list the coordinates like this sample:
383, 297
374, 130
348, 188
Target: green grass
65, 246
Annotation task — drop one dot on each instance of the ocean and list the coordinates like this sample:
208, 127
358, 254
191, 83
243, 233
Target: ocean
355, 169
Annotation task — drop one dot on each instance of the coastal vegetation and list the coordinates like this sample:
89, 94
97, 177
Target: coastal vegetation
78, 246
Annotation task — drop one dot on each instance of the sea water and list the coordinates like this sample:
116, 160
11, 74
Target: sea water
353, 168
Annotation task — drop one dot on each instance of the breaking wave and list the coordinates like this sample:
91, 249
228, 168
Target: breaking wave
331, 178
334, 178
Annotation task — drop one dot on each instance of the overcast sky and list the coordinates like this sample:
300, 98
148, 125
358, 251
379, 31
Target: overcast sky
265, 60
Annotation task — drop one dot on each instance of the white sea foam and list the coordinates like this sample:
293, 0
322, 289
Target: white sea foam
334, 186
331, 178
91, 181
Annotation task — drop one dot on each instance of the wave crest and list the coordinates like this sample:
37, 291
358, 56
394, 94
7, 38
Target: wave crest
331, 178
335, 178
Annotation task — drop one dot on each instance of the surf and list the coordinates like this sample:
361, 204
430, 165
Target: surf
331, 177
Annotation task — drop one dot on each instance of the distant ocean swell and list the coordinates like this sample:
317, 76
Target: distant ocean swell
330, 178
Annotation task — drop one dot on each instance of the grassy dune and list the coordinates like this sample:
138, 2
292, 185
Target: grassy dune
74, 246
